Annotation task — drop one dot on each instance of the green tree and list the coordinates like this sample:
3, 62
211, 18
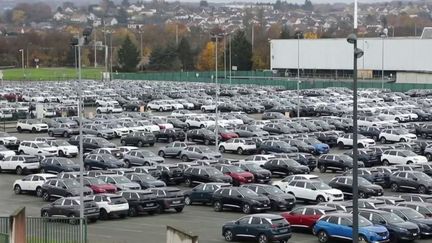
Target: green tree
285, 34
308, 5
128, 56
185, 55
164, 59
203, 4
241, 52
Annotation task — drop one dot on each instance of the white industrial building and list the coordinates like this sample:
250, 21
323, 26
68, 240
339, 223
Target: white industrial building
403, 59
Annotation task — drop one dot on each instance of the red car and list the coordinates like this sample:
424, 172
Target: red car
99, 186
238, 175
306, 217
11, 97
227, 134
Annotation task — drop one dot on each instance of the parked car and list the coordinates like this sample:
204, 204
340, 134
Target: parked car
141, 157
138, 139
37, 148
204, 174
99, 186
121, 182
412, 216
102, 162
416, 198
311, 190
32, 183
145, 180
64, 149
366, 189
111, 205
141, 201
307, 216
396, 135
346, 140
276, 147
201, 135
336, 162
368, 156
198, 152
169, 198
396, 156
284, 167
57, 165
170, 173
278, 199
425, 208
260, 174
70, 207
411, 181
20, 164
238, 145
239, 198
31, 125
56, 188
170, 135
203, 193
238, 175
173, 149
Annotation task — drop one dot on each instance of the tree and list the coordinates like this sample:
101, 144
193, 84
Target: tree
185, 55
125, 3
285, 34
241, 52
308, 5
203, 4
128, 56
310, 35
206, 59
122, 17
164, 59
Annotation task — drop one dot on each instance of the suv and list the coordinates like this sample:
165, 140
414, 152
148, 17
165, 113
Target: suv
401, 157
285, 167
204, 174
31, 125
239, 145
260, 174
140, 201
412, 181
32, 183
261, 227
36, 148
64, 149
145, 180
20, 164
102, 161
169, 197
346, 140
121, 182
142, 157
111, 205
170, 173
70, 207
366, 189
313, 190
238, 197
62, 188
238, 175
63, 129
173, 149
203, 193
278, 199
138, 139
198, 152
396, 135
170, 135
57, 165
336, 162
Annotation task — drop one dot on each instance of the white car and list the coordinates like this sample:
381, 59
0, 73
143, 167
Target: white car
284, 182
4, 152
31, 125
346, 140
259, 159
394, 115
208, 108
317, 191
109, 108
32, 183
239, 145
231, 119
369, 121
64, 149
111, 204
148, 126
21, 164
125, 149
119, 130
7, 139
105, 101
200, 122
159, 105
37, 148
401, 157
396, 135
175, 104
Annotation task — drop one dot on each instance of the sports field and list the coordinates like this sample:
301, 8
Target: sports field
54, 74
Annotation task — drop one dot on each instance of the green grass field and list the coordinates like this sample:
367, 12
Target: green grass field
54, 74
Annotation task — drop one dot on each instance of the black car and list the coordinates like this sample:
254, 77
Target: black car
273, 128
201, 135
425, 131
90, 143
203, 193
285, 167
170, 173
204, 174
365, 188
336, 162
260, 174
170, 135
177, 123
169, 197
411, 181
398, 228
274, 146
58, 165
425, 208
145, 180
262, 227
62, 188
387, 171
246, 131
301, 146
370, 132
303, 158
278, 199
239, 198
329, 138
70, 207
102, 162
369, 174
411, 215
141, 201
138, 139
367, 156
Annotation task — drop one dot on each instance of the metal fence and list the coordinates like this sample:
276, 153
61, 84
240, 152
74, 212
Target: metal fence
53, 230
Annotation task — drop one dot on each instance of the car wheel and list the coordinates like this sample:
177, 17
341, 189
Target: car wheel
72, 219
428, 156
397, 119
39, 192
409, 162
19, 170
422, 189
360, 145
322, 168
362, 239
246, 208
341, 145
375, 138
33, 130
188, 182
402, 140
263, 238
51, 134
323, 236
362, 195
103, 214
160, 109
46, 197
61, 153
386, 162
140, 144
161, 154
132, 212
185, 158
222, 149
424, 135
17, 189
320, 199
123, 142
345, 169
179, 210
383, 140
262, 152
65, 134
206, 142
146, 163
127, 163
170, 140
87, 168
228, 235
217, 206
394, 187
240, 151
19, 129
42, 171
188, 200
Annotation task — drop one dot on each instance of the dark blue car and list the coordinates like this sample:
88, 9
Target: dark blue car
57, 165
319, 147
203, 193
260, 228
339, 225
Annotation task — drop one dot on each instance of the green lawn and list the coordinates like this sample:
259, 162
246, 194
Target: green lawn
54, 74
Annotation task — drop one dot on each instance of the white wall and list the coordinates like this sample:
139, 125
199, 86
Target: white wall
400, 54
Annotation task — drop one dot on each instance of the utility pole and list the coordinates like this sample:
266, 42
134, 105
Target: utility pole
298, 74
217, 97
225, 61
253, 36
230, 64
177, 37
22, 61
95, 50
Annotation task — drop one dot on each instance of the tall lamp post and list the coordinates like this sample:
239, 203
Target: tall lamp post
298, 73
383, 35
215, 37
22, 61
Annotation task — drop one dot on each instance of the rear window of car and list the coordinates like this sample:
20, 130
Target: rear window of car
279, 222
31, 160
118, 200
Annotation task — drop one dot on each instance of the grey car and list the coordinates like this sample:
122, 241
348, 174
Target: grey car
98, 130
63, 129
141, 157
198, 152
246, 131
121, 182
173, 149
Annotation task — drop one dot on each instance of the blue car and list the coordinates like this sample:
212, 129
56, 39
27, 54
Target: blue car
319, 147
339, 225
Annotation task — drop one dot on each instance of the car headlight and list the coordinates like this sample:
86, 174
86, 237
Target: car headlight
425, 226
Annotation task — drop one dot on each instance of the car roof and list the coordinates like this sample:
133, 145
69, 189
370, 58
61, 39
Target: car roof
265, 215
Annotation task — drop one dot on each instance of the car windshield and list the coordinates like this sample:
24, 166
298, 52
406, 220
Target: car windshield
362, 181
392, 218
274, 190
412, 214
253, 167
43, 145
71, 183
122, 179
321, 185
213, 171
62, 143
363, 222
421, 176
95, 181
65, 161
146, 153
247, 192
291, 162
236, 169
205, 149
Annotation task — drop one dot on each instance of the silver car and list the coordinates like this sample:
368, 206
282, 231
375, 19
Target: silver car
121, 182
98, 130
141, 157
173, 149
199, 152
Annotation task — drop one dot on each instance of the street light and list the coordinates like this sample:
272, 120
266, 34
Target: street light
358, 53
216, 38
298, 72
22, 61
383, 35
